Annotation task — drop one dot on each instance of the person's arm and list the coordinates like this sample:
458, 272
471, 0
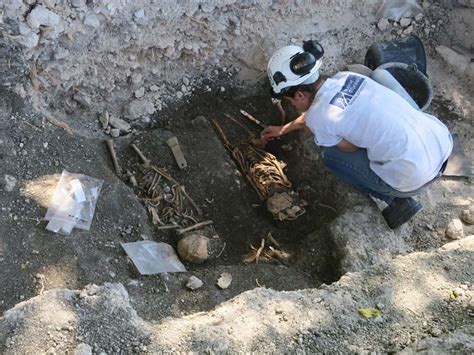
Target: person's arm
346, 146
272, 132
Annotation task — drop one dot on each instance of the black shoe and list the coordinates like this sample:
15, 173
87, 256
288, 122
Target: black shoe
400, 211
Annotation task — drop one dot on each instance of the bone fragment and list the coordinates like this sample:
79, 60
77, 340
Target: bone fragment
110, 145
145, 161
194, 226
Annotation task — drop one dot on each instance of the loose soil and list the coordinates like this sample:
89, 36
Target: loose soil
35, 259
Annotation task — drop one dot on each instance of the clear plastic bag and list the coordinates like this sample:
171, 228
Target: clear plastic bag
73, 203
151, 257
396, 9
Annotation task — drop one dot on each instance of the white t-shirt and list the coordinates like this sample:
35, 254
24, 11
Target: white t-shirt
406, 147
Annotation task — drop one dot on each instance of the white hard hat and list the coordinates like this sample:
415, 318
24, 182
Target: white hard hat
292, 65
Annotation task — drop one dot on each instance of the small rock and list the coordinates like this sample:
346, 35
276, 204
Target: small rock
45, 145
224, 280
405, 21
9, 183
140, 92
92, 20
458, 292
78, 3
199, 120
154, 88
83, 100
138, 108
468, 215
115, 132
179, 94
408, 30
419, 17
83, 349
455, 230
104, 119
436, 332
185, 81
194, 283
222, 89
383, 24
30, 40
41, 16
120, 124
61, 53
137, 78
140, 14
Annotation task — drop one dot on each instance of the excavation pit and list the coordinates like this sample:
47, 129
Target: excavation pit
240, 218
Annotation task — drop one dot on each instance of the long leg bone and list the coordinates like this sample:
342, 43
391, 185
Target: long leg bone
110, 145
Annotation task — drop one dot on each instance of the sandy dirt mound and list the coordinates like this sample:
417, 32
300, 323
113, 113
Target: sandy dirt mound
418, 296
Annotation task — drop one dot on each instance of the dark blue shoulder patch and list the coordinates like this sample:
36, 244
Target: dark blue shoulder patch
350, 88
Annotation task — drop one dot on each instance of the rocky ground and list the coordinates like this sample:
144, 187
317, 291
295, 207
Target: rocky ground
64, 63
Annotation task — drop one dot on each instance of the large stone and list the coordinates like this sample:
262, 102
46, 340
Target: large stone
138, 108
363, 238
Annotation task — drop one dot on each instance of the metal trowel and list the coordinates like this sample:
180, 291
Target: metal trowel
177, 153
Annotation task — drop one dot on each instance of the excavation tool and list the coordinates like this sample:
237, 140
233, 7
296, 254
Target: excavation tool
253, 119
177, 153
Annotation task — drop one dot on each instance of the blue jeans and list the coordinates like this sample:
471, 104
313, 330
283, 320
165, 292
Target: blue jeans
353, 168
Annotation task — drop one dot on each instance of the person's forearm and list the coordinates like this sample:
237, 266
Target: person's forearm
297, 123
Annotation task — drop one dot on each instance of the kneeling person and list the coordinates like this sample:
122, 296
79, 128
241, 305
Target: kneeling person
371, 137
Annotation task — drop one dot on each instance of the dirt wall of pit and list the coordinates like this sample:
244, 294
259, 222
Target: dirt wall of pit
134, 58
138, 58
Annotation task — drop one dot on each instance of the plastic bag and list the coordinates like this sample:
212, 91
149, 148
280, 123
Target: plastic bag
153, 258
396, 9
73, 203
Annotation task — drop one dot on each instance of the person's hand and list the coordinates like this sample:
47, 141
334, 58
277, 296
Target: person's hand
271, 132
